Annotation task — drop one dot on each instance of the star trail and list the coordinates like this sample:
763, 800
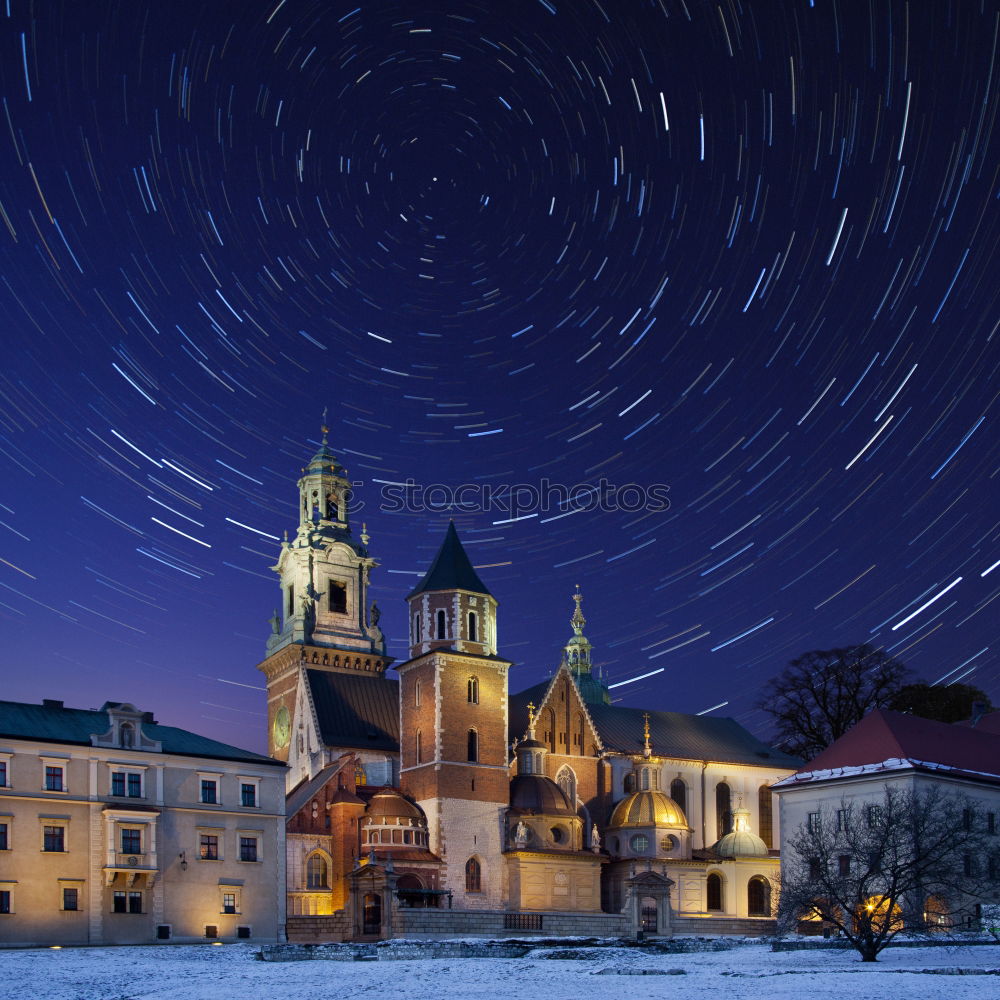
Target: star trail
542, 262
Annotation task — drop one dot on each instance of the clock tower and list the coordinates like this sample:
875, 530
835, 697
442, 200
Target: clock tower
326, 624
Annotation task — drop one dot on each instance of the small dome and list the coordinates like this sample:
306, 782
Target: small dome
389, 806
741, 844
531, 745
647, 808
534, 793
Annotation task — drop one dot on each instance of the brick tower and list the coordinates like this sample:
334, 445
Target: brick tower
453, 724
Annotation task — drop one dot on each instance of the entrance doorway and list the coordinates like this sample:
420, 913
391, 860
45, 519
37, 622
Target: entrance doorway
372, 914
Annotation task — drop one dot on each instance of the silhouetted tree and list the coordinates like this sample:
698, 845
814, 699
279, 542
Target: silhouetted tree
908, 860
820, 695
949, 703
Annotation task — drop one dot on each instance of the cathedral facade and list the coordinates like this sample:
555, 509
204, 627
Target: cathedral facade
436, 789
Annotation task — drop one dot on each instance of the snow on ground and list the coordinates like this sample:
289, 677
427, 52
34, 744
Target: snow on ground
747, 972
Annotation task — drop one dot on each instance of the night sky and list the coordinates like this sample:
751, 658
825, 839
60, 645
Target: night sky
743, 250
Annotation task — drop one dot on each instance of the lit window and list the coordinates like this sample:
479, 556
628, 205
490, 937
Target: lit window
208, 847
473, 876
316, 872
229, 902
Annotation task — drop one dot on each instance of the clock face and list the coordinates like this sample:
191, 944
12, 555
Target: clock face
282, 728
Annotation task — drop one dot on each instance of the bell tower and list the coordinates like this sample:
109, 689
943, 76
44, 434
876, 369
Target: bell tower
325, 621
453, 724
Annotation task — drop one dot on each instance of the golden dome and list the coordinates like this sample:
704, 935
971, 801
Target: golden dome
648, 808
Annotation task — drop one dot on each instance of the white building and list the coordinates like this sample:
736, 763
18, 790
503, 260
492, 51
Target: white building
117, 830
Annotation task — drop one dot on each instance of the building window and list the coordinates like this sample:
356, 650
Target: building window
639, 843
441, 624
644, 776
812, 822
991, 823
54, 778
874, 816
966, 819
416, 695
815, 869
473, 746
5, 901
723, 809
316, 877
248, 849
968, 865
126, 783
71, 899
714, 892
248, 794
338, 597
209, 847
417, 630
875, 862
844, 864
629, 783
418, 746
765, 814
54, 839
4, 837
473, 876
473, 690
3, 774
229, 902
210, 790
131, 841
127, 902
841, 820
290, 613
566, 780
473, 632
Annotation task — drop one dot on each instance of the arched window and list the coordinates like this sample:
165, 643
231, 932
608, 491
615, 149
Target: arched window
714, 892
473, 630
338, 597
473, 746
566, 780
528, 760
473, 876
759, 897
473, 687
645, 779
550, 729
316, 872
764, 811
291, 601
723, 809
416, 694
441, 626
418, 746
678, 792
416, 627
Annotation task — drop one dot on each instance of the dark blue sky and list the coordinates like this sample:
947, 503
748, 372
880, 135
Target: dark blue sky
746, 251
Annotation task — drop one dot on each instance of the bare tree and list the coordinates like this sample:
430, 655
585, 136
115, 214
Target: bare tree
908, 860
943, 703
823, 693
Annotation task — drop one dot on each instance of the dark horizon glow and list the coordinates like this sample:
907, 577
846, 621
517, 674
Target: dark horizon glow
744, 251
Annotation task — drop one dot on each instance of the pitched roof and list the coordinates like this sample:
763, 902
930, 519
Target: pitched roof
451, 569
358, 711
892, 741
52, 723
672, 734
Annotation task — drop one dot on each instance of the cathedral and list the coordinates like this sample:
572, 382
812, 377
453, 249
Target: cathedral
432, 799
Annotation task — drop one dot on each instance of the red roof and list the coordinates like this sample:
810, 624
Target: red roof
882, 735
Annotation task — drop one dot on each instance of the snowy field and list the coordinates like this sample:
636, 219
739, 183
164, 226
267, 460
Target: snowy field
203, 972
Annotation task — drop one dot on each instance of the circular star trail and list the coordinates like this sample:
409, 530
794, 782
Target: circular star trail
693, 304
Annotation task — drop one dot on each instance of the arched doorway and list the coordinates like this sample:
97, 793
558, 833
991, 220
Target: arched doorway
647, 915
759, 897
713, 893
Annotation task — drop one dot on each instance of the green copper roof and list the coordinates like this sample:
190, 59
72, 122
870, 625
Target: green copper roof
451, 569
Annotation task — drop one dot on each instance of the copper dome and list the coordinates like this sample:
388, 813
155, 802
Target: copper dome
534, 793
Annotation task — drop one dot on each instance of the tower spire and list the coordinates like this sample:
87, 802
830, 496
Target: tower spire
647, 748
576, 654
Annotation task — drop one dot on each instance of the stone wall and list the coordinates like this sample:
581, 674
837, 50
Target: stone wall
745, 927
317, 929
428, 924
